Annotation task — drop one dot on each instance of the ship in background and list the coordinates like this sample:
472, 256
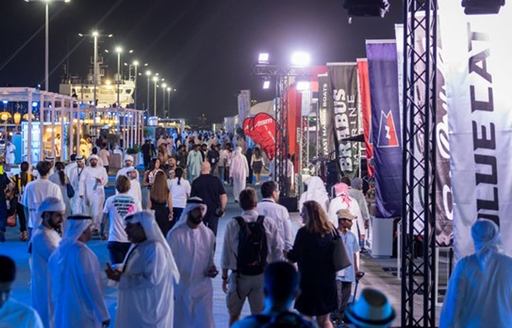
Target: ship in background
106, 89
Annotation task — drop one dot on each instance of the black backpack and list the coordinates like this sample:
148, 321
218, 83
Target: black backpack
252, 247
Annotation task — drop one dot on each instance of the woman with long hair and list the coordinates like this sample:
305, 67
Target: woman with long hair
60, 179
257, 163
180, 191
160, 200
313, 251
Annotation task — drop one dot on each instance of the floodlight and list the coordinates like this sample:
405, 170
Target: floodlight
301, 58
303, 85
155, 79
164, 85
263, 58
266, 85
95, 34
148, 73
376, 8
135, 63
119, 50
482, 7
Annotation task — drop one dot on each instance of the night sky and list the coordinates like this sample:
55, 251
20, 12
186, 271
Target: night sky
205, 49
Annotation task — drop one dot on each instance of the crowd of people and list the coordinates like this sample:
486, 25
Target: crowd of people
161, 229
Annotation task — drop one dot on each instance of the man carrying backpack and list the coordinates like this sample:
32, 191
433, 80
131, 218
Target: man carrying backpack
250, 242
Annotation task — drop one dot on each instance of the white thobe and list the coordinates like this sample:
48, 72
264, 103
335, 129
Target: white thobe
145, 297
14, 314
68, 168
124, 171
194, 161
10, 154
35, 192
338, 204
239, 171
194, 249
76, 292
270, 209
44, 242
77, 203
135, 191
94, 191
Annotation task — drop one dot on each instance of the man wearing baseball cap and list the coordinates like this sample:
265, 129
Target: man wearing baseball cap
346, 277
128, 165
44, 242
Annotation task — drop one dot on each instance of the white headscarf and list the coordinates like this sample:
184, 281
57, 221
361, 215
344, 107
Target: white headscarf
192, 203
153, 233
486, 238
73, 228
316, 191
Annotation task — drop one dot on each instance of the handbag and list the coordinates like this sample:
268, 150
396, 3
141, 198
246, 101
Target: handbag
69, 190
340, 257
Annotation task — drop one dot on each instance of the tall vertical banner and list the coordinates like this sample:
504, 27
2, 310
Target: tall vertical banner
386, 129
324, 113
366, 111
444, 205
345, 102
244, 104
477, 54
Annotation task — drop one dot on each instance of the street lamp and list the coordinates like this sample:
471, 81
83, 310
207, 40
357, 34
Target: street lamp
135, 64
118, 51
95, 68
148, 75
169, 89
155, 81
263, 58
164, 87
47, 39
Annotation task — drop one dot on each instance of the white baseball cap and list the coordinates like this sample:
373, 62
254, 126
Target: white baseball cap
128, 158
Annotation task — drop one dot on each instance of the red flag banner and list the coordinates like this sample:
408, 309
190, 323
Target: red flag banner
261, 129
366, 106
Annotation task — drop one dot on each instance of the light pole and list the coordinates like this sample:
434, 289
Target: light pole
47, 39
155, 81
148, 74
169, 89
164, 88
118, 50
95, 68
136, 65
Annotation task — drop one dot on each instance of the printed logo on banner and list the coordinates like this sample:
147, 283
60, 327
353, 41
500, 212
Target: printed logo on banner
387, 131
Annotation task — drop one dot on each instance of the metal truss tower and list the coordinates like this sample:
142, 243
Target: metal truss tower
419, 148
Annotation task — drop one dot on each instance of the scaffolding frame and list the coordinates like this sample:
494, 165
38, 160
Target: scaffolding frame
418, 247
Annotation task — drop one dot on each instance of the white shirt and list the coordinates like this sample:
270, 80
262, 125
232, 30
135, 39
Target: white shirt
118, 207
104, 155
180, 192
35, 192
270, 209
69, 168
10, 155
14, 314
230, 247
44, 242
338, 204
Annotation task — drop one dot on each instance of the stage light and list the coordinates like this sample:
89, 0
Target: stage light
303, 85
263, 58
377, 8
301, 59
482, 7
266, 85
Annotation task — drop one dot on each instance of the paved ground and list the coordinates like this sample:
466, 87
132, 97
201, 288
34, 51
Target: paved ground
377, 273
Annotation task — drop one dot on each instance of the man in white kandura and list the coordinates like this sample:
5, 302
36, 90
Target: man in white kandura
128, 165
38, 190
147, 278
194, 246
45, 240
75, 175
135, 189
239, 171
92, 189
75, 279
14, 314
